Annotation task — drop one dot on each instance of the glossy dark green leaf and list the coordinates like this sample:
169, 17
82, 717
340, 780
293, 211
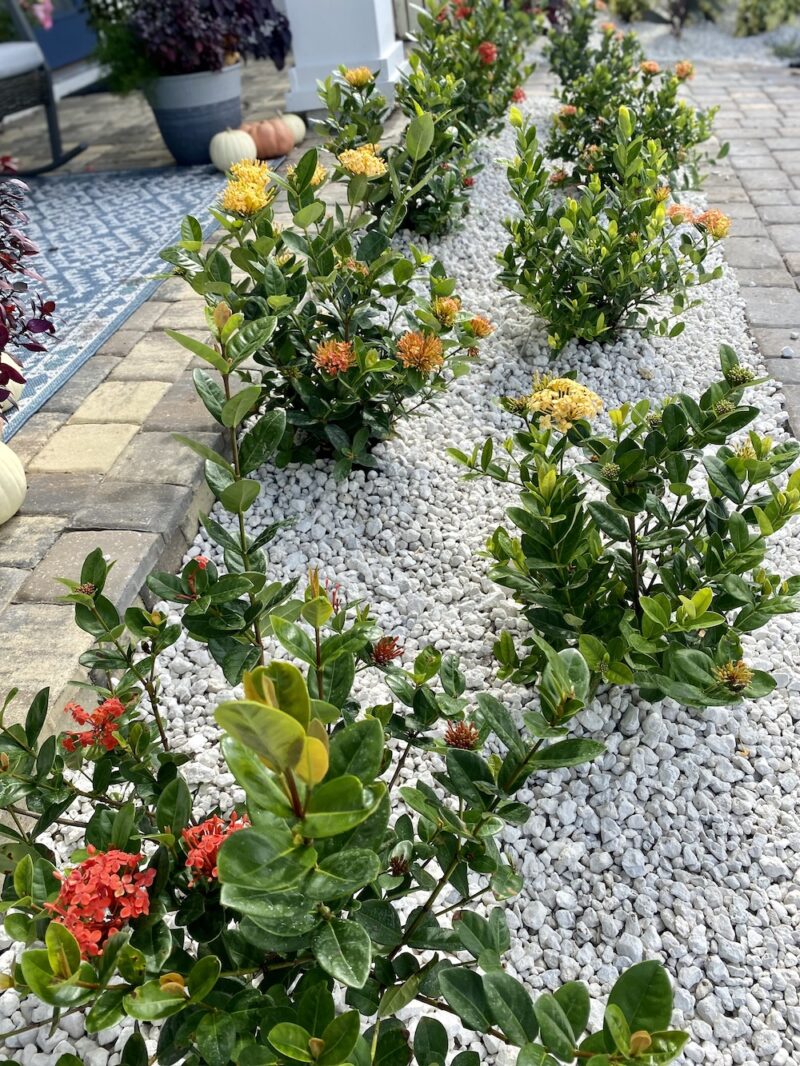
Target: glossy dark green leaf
343, 949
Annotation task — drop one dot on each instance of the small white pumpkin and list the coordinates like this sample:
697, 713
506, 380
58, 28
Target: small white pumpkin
231, 146
297, 126
13, 387
13, 487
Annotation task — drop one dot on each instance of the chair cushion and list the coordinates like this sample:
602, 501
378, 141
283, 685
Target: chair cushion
19, 57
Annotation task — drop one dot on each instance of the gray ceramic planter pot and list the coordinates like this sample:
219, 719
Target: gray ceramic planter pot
191, 108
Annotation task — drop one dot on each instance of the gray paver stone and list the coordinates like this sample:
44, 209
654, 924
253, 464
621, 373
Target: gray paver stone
787, 237
152, 508
135, 554
773, 307
752, 252
83, 383
58, 494
41, 647
11, 577
157, 457
24, 540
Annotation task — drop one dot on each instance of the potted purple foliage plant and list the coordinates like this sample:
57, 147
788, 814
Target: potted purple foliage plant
186, 56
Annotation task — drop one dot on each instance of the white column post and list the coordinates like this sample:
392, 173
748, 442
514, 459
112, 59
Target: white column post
327, 33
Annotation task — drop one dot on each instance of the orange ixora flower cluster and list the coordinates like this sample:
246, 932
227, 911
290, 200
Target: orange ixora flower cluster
420, 351
102, 723
679, 213
358, 77
684, 70
203, 842
248, 190
334, 357
363, 161
567, 111
481, 326
650, 67
101, 895
715, 221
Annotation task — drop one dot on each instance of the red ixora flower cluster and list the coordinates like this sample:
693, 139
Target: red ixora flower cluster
487, 52
519, 95
102, 722
100, 896
205, 840
385, 649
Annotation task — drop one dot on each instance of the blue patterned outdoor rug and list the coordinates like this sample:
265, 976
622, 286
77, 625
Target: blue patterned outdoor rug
99, 236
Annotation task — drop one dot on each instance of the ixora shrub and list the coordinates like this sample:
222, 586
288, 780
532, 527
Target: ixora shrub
294, 926
646, 549
425, 190
480, 46
613, 256
568, 47
584, 126
330, 311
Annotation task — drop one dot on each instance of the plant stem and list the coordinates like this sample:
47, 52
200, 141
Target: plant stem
242, 531
401, 762
635, 577
291, 784
147, 683
318, 647
427, 905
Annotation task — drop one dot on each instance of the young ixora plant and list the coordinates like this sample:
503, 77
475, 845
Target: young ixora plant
479, 45
355, 120
295, 926
584, 130
567, 49
612, 257
648, 553
331, 312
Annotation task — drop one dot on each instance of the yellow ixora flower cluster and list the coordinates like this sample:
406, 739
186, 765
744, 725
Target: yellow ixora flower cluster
247, 191
446, 308
358, 77
363, 161
560, 402
319, 175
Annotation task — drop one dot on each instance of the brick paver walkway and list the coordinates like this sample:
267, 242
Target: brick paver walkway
759, 187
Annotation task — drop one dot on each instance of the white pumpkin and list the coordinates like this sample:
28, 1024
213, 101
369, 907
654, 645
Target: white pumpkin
13, 486
297, 126
13, 387
231, 146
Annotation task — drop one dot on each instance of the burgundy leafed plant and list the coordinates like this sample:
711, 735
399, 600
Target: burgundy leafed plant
26, 318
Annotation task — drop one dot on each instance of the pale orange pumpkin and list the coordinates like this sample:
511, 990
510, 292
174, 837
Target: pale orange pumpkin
272, 137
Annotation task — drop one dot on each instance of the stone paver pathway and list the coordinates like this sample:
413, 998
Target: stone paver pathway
759, 187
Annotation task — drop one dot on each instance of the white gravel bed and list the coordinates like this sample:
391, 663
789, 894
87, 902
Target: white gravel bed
709, 41
683, 841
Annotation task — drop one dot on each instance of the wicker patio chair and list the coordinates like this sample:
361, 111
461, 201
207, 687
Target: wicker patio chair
25, 82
